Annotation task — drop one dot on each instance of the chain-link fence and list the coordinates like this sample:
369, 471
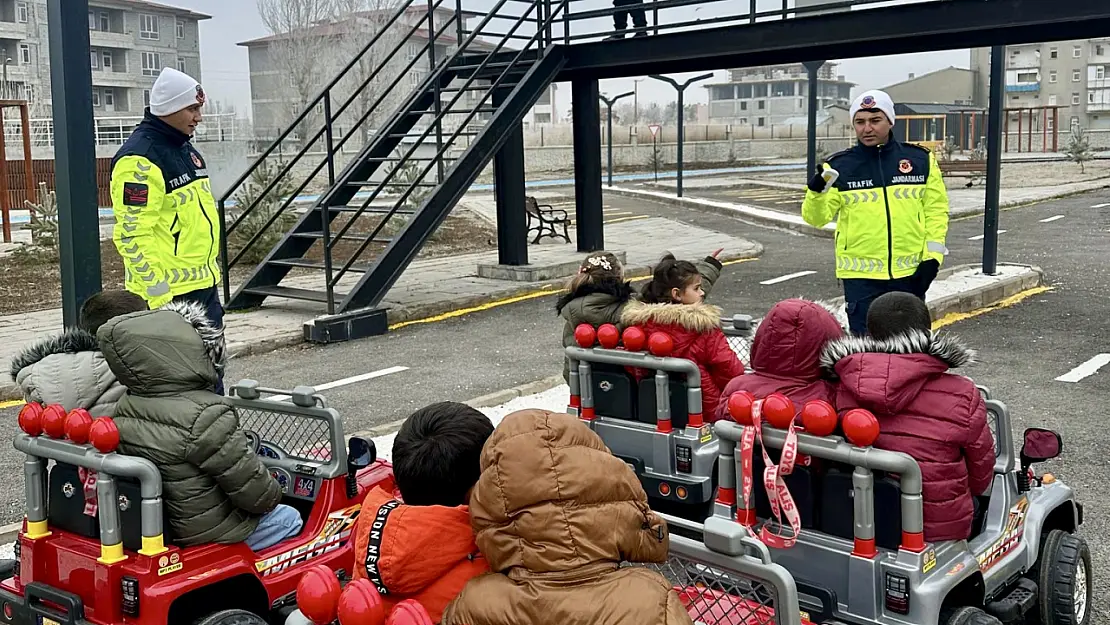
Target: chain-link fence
739, 330
302, 436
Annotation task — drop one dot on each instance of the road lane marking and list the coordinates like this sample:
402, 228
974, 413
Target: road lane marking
789, 276
980, 236
622, 219
1016, 298
1086, 369
347, 381
9, 404
1101, 205
1050, 219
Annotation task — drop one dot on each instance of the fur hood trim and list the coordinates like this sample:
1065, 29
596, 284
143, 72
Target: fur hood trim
699, 317
621, 291
72, 341
215, 346
946, 348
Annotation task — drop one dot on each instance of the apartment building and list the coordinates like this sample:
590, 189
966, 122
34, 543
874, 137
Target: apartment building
772, 94
1068, 74
131, 41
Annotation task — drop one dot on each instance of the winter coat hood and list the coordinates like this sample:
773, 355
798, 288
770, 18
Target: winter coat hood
556, 513
68, 369
886, 375
169, 350
695, 318
425, 553
789, 341
590, 295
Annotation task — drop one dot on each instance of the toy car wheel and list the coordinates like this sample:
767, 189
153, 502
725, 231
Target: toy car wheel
968, 615
232, 617
1064, 580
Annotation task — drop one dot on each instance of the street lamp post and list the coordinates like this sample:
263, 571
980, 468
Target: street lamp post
681, 88
609, 102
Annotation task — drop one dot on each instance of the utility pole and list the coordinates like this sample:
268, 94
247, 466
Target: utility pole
609, 102
636, 100
681, 88
811, 126
995, 119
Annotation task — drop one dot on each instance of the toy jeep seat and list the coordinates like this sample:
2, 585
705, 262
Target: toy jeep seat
837, 501
66, 507
615, 392
803, 485
680, 404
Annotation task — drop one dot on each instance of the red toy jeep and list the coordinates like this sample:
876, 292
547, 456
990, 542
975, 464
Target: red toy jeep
101, 554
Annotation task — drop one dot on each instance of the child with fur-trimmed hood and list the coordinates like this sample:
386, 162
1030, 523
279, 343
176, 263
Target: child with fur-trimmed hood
598, 293
673, 302
900, 373
68, 369
215, 487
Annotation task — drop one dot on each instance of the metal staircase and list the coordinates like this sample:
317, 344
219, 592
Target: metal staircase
377, 210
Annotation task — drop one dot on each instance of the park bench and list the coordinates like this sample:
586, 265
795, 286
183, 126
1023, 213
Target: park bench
543, 219
974, 169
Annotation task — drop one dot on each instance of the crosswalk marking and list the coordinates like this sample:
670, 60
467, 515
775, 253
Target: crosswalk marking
1086, 369
789, 276
1050, 219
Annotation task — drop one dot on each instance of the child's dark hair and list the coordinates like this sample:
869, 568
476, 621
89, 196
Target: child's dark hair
436, 454
895, 313
669, 274
98, 309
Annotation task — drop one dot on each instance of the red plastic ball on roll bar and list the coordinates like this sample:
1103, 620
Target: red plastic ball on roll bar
585, 335
819, 417
608, 336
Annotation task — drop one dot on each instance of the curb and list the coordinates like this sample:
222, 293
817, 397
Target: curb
764, 216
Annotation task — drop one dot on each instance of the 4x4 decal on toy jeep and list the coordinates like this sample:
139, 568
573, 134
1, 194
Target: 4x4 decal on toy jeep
1011, 536
336, 531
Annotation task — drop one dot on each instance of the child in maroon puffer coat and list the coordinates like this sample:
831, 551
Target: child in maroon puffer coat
786, 356
672, 303
900, 373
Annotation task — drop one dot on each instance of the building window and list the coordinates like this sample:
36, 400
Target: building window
146, 97
1074, 122
94, 59
761, 121
1075, 98
96, 97
1027, 77
152, 64
148, 26
1076, 52
1100, 72
1052, 76
92, 20
743, 105
1052, 100
415, 78
743, 120
22, 12
1090, 97
1099, 50
761, 105
181, 65
106, 22
180, 29
1076, 75
1053, 53
109, 97
29, 93
25, 53
107, 60
411, 51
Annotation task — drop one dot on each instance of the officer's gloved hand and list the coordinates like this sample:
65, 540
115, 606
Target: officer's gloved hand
824, 179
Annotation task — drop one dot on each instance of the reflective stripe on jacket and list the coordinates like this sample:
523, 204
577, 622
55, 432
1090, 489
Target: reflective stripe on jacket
167, 224
891, 210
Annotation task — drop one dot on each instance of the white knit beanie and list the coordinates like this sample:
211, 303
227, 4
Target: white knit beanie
873, 99
174, 91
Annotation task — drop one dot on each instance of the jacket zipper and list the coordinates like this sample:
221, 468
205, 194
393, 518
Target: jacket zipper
889, 234
176, 235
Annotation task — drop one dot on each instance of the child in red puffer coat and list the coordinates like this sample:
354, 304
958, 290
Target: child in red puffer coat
786, 356
673, 303
900, 373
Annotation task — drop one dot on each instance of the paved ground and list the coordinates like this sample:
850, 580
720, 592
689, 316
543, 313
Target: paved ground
1023, 347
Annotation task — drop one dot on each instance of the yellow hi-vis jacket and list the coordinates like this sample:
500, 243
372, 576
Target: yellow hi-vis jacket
891, 210
167, 224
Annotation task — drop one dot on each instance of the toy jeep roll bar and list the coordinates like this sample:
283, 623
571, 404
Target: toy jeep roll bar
654, 424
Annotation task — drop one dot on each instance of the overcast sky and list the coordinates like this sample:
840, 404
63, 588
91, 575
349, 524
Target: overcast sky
225, 67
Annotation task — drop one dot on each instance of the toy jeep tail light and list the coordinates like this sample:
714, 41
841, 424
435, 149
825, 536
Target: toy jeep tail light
130, 604
897, 593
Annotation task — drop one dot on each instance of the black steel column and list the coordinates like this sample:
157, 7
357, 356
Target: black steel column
996, 117
811, 123
74, 154
586, 111
508, 185
681, 139
609, 102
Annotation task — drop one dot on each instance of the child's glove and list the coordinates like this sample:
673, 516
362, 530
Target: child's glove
824, 179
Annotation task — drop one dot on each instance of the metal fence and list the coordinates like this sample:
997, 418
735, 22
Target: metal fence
109, 131
739, 330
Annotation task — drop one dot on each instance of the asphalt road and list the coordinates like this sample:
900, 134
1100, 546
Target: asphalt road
1023, 348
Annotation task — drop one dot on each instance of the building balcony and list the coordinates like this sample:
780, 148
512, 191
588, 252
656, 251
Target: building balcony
121, 79
1023, 63
13, 30
1027, 87
105, 39
1098, 107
